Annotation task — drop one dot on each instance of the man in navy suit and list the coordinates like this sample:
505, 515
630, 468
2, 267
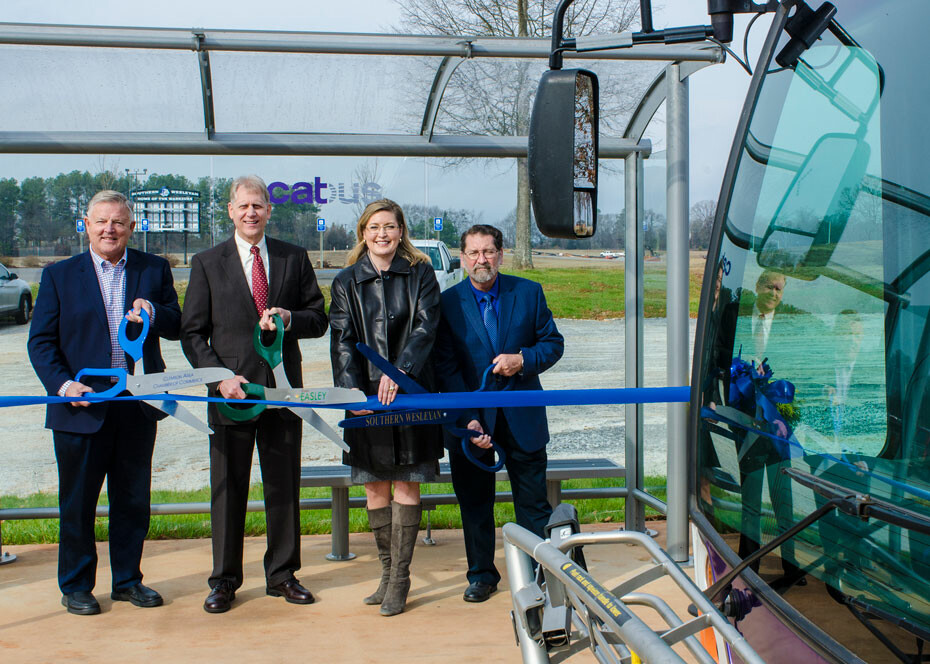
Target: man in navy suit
77, 314
502, 320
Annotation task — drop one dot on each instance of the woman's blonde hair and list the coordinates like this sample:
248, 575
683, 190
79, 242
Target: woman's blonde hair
406, 250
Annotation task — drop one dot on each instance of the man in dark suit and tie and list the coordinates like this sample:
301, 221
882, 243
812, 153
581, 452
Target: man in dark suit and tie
234, 286
77, 315
498, 319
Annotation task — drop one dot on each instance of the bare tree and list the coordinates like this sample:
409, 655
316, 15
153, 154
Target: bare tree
702, 223
368, 171
495, 96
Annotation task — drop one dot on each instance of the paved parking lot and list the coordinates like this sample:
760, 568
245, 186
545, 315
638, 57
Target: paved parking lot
593, 358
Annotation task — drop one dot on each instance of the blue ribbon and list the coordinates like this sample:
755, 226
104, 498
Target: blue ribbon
752, 392
445, 400
412, 387
394, 418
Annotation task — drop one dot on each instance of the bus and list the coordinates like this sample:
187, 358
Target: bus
809, 426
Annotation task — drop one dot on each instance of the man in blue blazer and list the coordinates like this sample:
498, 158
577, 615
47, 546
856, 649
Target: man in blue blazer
77, 314
503, 320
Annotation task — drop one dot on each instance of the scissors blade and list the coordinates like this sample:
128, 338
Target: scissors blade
175, 409
312, 396
175, 380
309, 416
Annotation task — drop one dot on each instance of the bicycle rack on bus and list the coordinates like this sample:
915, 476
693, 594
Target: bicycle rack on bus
563, 601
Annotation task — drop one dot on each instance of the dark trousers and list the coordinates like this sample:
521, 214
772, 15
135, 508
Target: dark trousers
754, 470
121, 451
231, 447
474, 489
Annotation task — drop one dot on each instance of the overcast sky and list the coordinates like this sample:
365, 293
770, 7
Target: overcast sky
716, 98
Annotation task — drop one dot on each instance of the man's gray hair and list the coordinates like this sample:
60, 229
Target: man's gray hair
252, 183
109, 196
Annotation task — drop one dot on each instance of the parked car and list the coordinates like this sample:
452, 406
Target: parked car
448, 270
15, 296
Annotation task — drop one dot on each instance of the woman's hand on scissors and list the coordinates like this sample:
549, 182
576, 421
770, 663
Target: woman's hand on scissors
267, 324
387, 390
229, 388
134, 315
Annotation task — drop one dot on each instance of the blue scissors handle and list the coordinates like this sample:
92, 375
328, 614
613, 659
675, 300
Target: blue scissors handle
133, 347
487, 375
117, 372
466, 436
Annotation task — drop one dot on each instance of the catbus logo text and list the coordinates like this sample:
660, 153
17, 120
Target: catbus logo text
321, 193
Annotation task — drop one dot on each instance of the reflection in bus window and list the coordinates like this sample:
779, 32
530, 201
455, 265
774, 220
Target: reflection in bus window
817, 349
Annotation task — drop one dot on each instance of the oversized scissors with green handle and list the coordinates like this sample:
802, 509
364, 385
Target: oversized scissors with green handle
274, 356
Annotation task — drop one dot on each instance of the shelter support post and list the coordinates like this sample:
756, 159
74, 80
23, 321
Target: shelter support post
635, 514
5, 556
677, 306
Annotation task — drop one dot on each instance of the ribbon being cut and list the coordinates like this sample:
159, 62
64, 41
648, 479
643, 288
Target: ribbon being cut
417, 406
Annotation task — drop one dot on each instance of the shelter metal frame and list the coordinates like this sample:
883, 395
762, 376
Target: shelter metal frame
670, 86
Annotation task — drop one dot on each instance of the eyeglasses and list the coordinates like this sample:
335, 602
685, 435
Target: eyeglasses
487, 253
374, 229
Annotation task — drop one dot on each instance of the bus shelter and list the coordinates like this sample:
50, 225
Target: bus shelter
226, 93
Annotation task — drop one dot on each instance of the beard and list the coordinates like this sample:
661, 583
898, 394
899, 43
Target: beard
483, 275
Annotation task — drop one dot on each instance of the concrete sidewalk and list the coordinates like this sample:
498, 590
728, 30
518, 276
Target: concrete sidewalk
436, 626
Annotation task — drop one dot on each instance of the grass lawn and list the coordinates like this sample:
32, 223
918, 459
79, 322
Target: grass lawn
586, 293
312, 522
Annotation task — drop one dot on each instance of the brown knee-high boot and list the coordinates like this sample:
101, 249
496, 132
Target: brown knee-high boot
404, 528
380, 521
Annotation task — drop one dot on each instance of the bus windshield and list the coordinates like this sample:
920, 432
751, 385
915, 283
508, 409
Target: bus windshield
816, 353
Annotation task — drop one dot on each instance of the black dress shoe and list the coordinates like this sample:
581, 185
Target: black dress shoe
479, 592
220, 598
81, 603
292, 591
139, 595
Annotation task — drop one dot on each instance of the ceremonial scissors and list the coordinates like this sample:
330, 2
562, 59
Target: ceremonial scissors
410, 386
139, 383
284, 392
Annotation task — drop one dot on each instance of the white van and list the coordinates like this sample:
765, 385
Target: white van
448, 270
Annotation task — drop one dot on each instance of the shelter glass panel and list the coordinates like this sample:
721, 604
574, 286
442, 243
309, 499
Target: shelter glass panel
60, 88
293, 92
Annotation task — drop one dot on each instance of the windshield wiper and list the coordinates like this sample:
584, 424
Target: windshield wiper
868, 506
846, 500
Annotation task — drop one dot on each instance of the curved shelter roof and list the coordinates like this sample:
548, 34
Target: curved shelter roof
80, 89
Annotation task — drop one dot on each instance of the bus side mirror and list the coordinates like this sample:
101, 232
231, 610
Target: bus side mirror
813, 213
562, 153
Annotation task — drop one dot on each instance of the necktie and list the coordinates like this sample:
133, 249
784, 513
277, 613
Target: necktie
760, 335
259, 282
490, 319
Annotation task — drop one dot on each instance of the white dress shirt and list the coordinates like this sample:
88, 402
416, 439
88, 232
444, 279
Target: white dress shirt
245, 257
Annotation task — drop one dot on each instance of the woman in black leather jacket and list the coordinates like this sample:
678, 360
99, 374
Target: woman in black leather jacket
387, 298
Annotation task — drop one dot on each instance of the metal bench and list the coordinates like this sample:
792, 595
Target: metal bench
339, 479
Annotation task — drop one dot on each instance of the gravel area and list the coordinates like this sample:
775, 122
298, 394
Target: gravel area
593, 359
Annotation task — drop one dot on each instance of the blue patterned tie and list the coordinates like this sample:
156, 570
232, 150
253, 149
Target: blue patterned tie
490, 319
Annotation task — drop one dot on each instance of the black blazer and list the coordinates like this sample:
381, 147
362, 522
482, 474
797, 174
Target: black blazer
70, 330
219, 317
